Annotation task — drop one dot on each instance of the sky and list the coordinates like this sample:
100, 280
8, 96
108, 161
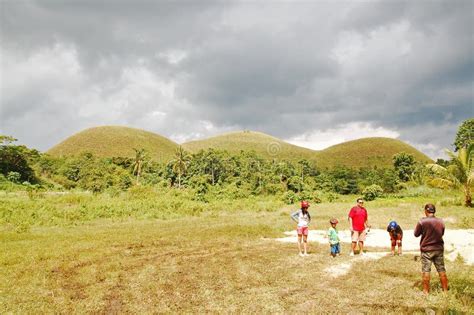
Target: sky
312, 73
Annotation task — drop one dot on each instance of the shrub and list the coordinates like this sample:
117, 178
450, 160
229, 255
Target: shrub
372, 192
309, 196
14, 177
289, 197
331, 197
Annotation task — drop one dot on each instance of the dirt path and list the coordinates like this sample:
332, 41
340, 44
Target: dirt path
457, 242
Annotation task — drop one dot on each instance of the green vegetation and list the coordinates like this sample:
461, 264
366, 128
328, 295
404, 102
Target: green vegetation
372, 192
148, 258
459, 174
111, 233
465, 135
368, 152
265, 146
15, 161
210, 172
115, 141
23, 210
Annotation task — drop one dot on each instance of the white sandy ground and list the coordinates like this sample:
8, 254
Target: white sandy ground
456, 242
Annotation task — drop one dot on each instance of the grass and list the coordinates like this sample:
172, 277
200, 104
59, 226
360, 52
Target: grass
264, 145
217, 261
367, 152
112, 141
19, 211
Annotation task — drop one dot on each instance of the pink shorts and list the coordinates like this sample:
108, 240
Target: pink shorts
302, 230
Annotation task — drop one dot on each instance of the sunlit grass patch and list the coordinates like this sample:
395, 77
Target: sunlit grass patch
220, 261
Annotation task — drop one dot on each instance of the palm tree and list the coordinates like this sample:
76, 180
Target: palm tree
180, 163
459, 174
140, 156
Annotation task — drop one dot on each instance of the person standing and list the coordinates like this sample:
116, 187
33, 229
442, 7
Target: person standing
431, 230
302, 217
333, 236
358, 223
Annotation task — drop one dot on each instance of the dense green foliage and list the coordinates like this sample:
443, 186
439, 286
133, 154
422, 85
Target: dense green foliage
210, 174
372, 192
15, 161
404, 165
204, 173
458, 174
465, 135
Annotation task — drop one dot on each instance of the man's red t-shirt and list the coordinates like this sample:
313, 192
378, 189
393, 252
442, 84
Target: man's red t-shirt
358, 216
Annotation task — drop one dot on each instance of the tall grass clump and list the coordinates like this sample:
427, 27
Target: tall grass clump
140, 202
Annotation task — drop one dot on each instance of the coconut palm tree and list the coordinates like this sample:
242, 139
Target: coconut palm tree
140, 156
180, 163
460, 174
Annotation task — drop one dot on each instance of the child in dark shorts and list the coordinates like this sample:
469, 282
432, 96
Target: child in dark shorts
333, 236
396, 235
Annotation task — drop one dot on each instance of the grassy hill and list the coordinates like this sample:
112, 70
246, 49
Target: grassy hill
108, 141
357, 153
366, 152
265, 145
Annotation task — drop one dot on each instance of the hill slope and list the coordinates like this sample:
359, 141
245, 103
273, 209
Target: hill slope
263, 144
367, 152
109, 141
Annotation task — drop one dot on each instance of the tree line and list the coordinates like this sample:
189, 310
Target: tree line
235, 175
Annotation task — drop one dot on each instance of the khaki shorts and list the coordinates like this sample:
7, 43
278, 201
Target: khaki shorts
358, 236
435, 257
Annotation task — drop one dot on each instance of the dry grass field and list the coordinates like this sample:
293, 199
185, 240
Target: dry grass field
219, 262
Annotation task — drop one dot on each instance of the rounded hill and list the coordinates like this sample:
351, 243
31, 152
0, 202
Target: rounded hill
263, 144
367, 152
113, 141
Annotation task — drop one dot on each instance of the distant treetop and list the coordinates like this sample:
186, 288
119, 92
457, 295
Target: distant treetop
465, 135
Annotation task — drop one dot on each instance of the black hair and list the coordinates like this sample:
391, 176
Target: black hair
430, 208
305, 211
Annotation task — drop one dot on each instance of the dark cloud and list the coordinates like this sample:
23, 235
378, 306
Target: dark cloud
194, 69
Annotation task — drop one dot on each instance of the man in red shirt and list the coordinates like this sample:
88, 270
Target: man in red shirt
358, 222
431, 230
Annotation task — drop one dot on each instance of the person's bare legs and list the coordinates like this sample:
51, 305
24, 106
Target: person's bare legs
426, 282
353, 245
399, 248
444, 281
305, 244
361, 247
299, 244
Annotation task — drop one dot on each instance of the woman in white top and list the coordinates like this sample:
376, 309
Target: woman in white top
302, 217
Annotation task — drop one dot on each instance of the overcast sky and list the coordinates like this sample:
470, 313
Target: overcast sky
312, 73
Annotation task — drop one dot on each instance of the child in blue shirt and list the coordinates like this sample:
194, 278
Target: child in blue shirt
334, 238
